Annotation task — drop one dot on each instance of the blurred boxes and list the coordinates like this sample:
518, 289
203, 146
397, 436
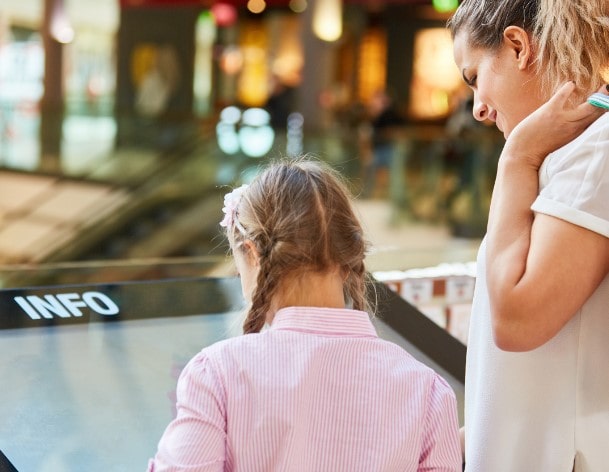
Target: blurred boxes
443, 293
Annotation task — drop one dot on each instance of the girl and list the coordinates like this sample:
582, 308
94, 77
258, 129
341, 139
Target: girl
542, 285
316, 390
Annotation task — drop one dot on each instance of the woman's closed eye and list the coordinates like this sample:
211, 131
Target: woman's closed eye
471, 82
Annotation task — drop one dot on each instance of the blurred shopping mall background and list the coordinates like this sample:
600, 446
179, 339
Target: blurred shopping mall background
122, 125
122, 120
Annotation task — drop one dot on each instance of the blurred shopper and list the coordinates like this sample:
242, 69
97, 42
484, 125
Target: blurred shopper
316, 389
385, 121
542, 285
281, 103
471, 152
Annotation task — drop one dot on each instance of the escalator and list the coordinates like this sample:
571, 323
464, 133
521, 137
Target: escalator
136, 206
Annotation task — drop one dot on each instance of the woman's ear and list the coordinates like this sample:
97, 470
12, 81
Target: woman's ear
519, 42
251, 252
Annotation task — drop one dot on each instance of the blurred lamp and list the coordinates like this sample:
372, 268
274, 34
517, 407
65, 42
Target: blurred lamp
59, 27
256, 6
225, 14
256, 135
328, 19
445, 6
226, 130
298, 6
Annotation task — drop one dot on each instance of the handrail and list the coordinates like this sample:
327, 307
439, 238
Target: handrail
418, 329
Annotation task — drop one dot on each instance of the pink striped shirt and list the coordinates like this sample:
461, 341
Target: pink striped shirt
317, 391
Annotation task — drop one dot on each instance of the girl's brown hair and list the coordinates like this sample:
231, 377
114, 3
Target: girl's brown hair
298, 214
571, 37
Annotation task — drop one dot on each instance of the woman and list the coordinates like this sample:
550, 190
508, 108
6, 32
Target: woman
537, 388
317, 390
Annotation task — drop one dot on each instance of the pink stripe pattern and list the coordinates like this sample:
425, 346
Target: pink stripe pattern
316, 391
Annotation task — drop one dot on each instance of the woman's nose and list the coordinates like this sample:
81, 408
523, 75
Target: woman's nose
480, 110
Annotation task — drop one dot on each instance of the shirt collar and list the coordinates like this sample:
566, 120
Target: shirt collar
325, 321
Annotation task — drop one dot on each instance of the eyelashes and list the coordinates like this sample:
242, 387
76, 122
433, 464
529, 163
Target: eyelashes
471, 82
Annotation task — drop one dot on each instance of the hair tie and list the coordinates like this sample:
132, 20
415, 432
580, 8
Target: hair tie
269, 247
231, 203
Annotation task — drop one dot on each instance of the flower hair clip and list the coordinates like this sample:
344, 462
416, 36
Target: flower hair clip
231, 202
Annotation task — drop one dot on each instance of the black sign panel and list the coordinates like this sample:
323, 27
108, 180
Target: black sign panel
5, 464
78, 304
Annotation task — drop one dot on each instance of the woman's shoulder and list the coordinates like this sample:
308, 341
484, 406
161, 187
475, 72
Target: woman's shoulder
592, 145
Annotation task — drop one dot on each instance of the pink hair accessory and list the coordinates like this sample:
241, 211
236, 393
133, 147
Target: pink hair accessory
231, 202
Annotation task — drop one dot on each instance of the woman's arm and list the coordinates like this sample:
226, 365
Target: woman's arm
540, 269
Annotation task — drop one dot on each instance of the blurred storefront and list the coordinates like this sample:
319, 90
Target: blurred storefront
193, 57
64, 65
127, 92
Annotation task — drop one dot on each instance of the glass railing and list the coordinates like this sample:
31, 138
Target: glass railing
89, 370
91, 354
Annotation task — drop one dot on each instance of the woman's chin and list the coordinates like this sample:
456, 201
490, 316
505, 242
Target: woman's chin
504, 130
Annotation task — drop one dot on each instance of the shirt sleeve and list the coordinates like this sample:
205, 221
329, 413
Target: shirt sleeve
196, 439
575, 187
441, 444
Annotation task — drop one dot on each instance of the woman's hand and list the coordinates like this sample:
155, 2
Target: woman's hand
551, 126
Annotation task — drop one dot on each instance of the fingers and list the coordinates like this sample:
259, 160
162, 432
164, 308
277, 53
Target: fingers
564, 92
563, 105
596, 105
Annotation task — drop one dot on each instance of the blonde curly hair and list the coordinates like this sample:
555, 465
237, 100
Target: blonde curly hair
571, 37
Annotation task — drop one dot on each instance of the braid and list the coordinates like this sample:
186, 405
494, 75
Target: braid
355, 287
266, 285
